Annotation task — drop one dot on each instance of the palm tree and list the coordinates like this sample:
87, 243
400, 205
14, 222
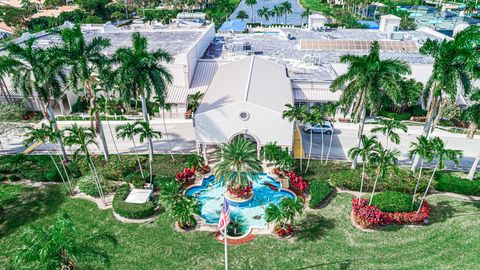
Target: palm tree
472, 114
369, 148
166, 107
455, 62
183, 209
284, 214
195, 161
129, 130
314, 116
277, 12
83, 61
239, 164
367, 76
146, 132
473, 169
287, 9
242, 15
62, 245
305, 14
470, 7
271, 151
330, 109
140, 72
84, 137
441, 154
43, 135
193, 101
263, 13
251, 4
296, 115
385, 159
423, 149
388, 127
36, 71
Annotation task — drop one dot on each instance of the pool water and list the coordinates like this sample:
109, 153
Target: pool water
251, 215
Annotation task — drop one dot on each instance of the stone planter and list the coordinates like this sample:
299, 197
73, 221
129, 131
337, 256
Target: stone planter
238, 201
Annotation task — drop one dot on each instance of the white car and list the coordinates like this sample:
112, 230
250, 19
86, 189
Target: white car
326, 128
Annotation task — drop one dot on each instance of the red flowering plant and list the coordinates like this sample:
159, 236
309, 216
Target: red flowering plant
284, 231
239, 191
186, 176
369, 216
298, 182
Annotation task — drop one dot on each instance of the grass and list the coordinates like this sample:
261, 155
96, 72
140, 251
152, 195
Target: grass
325, 240
315, 5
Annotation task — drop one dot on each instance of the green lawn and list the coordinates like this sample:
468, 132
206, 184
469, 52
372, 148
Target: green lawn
326, 239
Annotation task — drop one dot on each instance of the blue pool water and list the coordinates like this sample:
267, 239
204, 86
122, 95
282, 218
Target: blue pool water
210, 195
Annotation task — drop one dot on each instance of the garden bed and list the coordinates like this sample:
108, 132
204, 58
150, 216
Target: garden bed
131, 210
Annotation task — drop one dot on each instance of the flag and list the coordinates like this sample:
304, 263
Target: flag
224, 216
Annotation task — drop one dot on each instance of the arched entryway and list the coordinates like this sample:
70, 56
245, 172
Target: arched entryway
248, 136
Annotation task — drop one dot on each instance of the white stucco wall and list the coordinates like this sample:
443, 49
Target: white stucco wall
218, 126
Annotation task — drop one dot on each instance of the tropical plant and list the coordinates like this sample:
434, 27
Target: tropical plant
238, 164
284, 214
470, 7
83, 61
385, 159
296, 114
62, 245
193, 101
271, 151
251, 4
129, 130
242, 15
442, 154
366, 77
313, 116
83, 137
166, 107
455, 62
305, 14
195, 161
423, 149
388, 127
43, 135
287, 9
140, 73
284, 161
277, 11
183, 209
472, 114
146, 132
367, 150
264, 12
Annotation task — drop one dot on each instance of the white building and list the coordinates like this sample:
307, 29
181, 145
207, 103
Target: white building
246, 98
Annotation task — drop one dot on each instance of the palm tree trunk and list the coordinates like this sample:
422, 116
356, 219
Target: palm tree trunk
374, 187
65, 170
363, 178
55, 127
56, 167
146, 119
418, 181
472, 171
96, 118
329, 148
361, 126
97, 178
472, 128
431, 115
428, 186
110, 128
151, 171
166, 134
321, 155
310, 150
138, 158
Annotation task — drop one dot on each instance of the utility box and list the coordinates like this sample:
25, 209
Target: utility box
389, 23
316, 22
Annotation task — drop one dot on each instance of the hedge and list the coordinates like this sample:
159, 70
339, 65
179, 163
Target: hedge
319, 191
448, 182
87, 185
131, 210
396, 116
391, 202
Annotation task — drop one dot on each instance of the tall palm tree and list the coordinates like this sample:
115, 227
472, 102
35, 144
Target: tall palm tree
314, 115
242, 15
193, 101
37, 71
44, 135
166, 107
239, 164
287, 9
366, 77
146, 132
296, 115
455, 62
305, 14
140, 72
83, 61
129, 130
83, 137
473, 169
388, 127
251, 4
385, 159
368, 149
472, 114
62, 245
423, 149
441, 154
263, 13
277, 12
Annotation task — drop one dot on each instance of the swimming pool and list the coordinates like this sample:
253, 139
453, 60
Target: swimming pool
210, 195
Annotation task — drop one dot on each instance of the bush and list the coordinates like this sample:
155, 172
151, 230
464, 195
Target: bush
448, 182
12, 112
87, 185
391, 202
396, 116
135, 179
131, 210
417, 110
319, 191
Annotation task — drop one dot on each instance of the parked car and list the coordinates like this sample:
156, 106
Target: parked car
326, 128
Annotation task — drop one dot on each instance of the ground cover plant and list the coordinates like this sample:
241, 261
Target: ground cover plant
319, 191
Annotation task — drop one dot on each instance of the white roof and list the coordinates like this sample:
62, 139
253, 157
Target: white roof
252, 79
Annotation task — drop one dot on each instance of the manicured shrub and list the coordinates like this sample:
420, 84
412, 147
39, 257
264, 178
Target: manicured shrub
448, 182
319, 191
135, 179
131, 210
86, 184
391, 202
396, 116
